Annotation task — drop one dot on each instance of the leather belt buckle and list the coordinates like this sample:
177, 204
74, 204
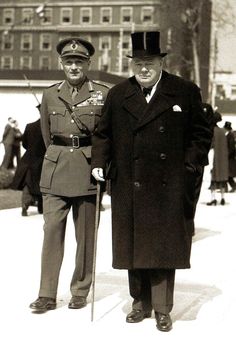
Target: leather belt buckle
75, 141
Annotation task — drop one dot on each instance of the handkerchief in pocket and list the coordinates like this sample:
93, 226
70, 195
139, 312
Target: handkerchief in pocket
176, 107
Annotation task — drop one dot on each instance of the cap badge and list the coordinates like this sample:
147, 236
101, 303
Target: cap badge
74, 46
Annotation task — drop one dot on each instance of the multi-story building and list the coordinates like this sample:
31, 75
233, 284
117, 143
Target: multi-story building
30, 30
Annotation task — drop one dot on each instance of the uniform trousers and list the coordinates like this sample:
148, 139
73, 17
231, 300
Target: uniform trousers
55, 211
152, 289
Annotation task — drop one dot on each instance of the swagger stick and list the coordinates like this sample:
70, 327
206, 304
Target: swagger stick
95, 245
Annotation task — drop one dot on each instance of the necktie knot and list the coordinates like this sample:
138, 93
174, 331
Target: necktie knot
147, 91
74, 92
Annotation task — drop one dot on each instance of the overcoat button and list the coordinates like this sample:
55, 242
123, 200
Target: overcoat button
163, 156
161, 129
72, 121
137, 184
71, 150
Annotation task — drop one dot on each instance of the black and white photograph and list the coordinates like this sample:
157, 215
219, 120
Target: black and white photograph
117, 174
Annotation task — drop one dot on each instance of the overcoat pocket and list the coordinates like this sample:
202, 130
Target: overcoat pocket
49, 166
189, 193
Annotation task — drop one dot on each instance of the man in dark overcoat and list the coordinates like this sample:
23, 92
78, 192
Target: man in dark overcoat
231, 154
70, 111
154, 136
28, 171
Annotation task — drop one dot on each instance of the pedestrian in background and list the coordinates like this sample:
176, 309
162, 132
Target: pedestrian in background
8, 139
70, 111
16, 145
231, 155
155, 137
28, 171
220, 167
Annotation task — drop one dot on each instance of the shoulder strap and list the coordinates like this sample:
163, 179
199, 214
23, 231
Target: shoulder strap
82, 127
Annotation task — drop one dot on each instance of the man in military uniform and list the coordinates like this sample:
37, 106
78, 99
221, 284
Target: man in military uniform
70, 111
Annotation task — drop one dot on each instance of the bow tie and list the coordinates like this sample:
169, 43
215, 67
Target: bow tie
147, 91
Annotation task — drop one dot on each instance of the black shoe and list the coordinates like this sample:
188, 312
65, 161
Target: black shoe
213, 202
163, 322
77, 302
222, 201
137, 315
43, 304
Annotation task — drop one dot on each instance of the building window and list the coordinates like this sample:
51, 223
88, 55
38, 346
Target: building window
45, 42
47, 17
27, 16
6, 62
25, 62
8, 16
45, 63
147, 15
86, 15
105, 42
126, 43
26, 42
126, 15
125, 64
106, 15
104, 63
7, 42
66, 16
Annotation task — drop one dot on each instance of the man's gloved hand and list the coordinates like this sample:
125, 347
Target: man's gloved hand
98, 174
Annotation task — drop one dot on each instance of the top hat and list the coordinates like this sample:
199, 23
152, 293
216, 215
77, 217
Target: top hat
75, 47
227, 125
146, 44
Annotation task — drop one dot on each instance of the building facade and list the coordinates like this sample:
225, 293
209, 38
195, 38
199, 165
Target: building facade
30, 30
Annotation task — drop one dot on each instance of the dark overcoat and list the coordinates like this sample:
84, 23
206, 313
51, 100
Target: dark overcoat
67, 170
28, 171
148, 147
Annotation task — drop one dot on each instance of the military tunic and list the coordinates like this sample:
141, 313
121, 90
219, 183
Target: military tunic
66, 169
66, 181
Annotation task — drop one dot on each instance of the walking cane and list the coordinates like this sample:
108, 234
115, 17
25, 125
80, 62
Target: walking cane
95, 245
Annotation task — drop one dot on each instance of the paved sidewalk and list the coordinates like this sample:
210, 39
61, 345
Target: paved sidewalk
205, 296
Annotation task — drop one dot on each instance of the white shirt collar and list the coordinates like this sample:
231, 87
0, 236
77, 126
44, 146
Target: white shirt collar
148, 97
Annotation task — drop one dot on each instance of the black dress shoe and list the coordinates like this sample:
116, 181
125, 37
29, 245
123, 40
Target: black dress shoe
164, 322
213, 202
137, 315
43, 304
77, 302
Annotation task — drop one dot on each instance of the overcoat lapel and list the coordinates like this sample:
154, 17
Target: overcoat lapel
134, 101
161, 101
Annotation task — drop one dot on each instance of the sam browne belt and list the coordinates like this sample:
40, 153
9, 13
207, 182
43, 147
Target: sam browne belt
74, 141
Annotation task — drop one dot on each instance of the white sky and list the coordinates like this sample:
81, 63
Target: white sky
226, 59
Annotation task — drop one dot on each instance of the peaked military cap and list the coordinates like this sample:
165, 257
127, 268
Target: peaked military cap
75, 46
145, 44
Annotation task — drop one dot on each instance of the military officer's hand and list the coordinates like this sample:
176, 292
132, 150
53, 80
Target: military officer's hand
98, 174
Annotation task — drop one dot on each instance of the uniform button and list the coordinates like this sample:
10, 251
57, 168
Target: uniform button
91, 112
71, 150
137, 184
161, 129
163, 156
71, 136
54, 112
73, 107
72, 121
